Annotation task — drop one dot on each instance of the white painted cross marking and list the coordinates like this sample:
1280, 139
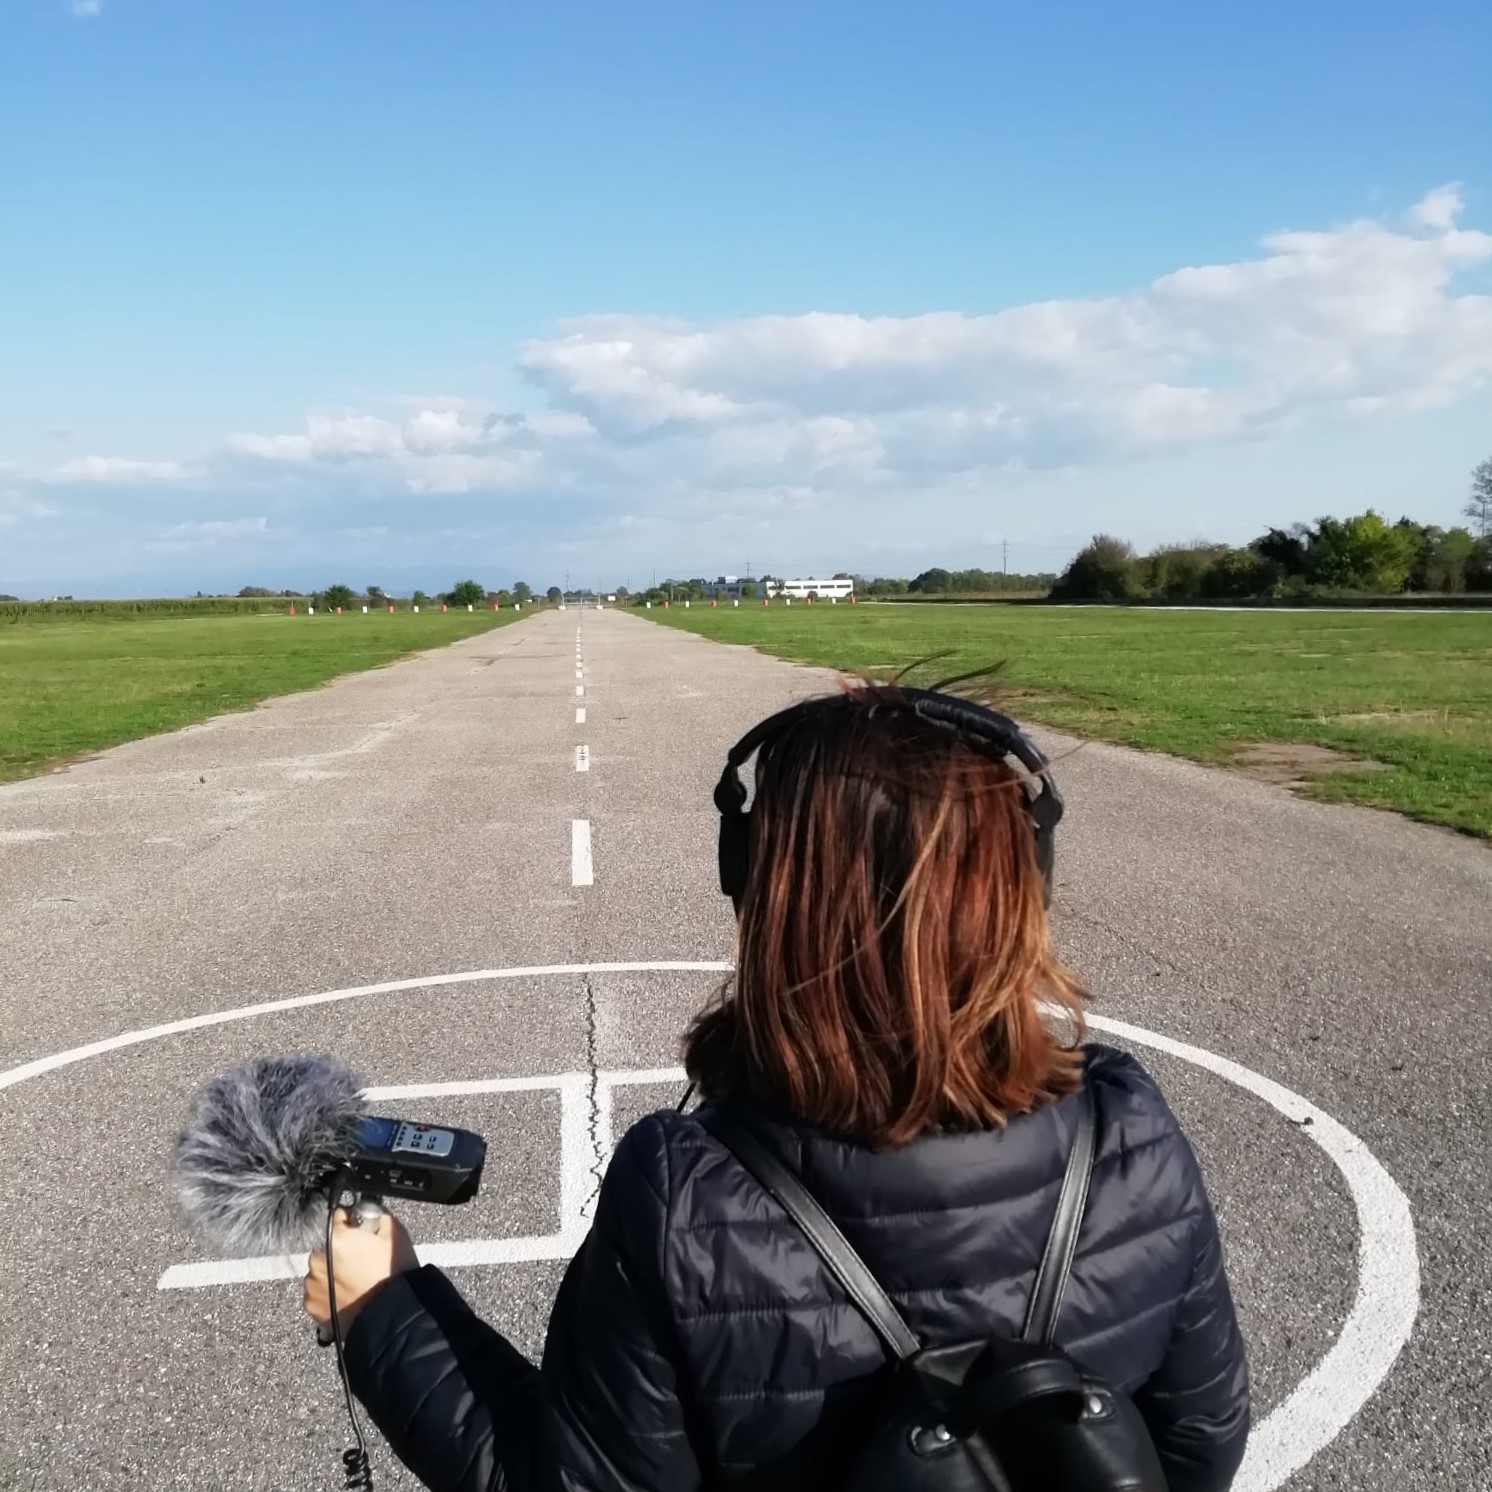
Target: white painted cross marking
1378, 1323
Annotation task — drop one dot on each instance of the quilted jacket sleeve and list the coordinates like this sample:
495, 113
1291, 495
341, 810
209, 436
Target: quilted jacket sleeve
466, 1412
1197, 1404
615, 1417
457, 1403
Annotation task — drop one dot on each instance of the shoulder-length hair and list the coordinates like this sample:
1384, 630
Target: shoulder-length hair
893, 952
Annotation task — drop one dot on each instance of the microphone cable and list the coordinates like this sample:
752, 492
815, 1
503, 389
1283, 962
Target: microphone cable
356, 1470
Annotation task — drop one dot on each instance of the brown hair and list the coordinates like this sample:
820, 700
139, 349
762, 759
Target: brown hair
893, 947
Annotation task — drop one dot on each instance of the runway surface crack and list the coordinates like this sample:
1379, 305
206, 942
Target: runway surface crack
593, 1096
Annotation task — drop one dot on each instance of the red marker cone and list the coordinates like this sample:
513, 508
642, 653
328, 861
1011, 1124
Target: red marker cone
391, 608
292, 608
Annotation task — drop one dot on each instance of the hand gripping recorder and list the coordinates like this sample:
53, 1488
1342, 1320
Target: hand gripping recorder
269, 1149
398, 1158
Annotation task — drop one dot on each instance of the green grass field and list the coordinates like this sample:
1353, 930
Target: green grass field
1411, 692
70, 687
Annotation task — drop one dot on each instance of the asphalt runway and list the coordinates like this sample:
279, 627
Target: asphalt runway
1322, 977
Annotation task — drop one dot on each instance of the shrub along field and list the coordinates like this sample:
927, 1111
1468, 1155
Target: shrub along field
74, 683
1405, 698
18, 612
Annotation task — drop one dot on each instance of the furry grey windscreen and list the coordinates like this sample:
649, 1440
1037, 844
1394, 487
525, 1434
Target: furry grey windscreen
252, 1164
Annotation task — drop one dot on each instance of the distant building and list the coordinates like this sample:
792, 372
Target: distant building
731, 588
825, 590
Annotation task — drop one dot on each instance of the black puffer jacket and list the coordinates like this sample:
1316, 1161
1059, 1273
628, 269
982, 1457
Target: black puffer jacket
696, 1333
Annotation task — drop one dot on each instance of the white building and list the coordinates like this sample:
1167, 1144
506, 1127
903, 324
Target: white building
824, 590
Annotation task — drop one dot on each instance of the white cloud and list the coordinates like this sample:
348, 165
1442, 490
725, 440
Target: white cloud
295, 448
214, 531
120, 470
446, 445
1438, 210
336, 436
558, 424
1321, 320
839, 426
85, 7
462, 471
16, 507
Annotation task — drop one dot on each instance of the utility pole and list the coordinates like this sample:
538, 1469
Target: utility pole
1005, 556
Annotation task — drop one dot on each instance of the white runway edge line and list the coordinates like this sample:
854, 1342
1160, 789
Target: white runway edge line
1377, 1325
582, 758
582, 871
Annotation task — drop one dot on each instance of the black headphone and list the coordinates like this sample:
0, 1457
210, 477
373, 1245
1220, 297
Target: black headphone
989, 731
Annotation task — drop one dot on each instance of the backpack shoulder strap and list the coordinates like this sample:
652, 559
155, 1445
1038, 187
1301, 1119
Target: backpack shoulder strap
778, 1181
1062, 1241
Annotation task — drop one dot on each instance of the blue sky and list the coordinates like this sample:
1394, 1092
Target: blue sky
381, 292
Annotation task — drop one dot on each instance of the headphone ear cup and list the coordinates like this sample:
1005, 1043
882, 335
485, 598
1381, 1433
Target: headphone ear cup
735, 855
1046, 859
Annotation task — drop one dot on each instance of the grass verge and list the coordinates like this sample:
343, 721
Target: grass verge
1412, 692
72, 687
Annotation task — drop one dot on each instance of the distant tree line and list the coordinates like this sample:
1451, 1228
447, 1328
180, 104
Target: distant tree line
463, 593
1363, 556
940, 582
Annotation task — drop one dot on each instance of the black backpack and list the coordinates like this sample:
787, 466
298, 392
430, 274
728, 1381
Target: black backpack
989, 1415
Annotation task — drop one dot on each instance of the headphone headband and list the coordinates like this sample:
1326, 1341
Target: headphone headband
996, 734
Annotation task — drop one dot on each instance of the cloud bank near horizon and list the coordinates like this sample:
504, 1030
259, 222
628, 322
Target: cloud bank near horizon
647, 422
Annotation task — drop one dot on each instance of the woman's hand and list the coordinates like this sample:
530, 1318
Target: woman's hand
366, 1257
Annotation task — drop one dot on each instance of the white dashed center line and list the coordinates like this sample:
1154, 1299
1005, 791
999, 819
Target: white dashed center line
579, 691
582, 871
582, 758
580, 714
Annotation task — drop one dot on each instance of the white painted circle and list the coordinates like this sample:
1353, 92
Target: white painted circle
1377, 1326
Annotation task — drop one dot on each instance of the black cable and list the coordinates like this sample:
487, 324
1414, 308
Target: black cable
356, 1470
